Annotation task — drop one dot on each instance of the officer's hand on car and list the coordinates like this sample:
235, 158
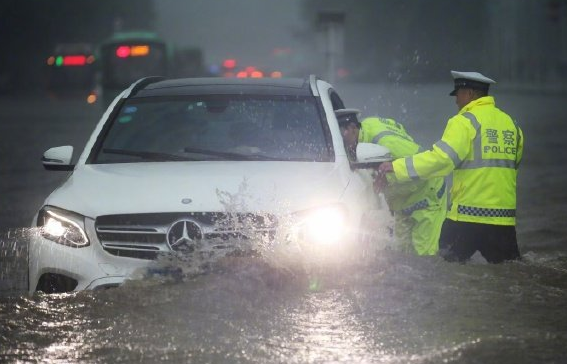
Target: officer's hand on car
380, 180
385, 167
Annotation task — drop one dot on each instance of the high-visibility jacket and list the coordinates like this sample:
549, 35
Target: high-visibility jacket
419, 206
408, 196
484, 147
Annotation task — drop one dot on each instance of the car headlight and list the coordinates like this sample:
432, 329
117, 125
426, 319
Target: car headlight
63, 227
323, 225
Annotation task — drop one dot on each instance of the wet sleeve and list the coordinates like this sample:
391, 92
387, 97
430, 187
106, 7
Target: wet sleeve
443, 157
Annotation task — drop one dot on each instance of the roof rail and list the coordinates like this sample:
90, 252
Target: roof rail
143, 82
313, 84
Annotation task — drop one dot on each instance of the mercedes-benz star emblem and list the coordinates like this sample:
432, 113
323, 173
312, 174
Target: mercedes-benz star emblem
182, 235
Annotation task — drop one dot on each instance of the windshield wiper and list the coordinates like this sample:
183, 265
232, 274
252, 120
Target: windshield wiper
154, 156
231, 155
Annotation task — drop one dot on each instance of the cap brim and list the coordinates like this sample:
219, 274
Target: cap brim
453, 93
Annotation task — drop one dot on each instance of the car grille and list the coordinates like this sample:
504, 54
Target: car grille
146, 236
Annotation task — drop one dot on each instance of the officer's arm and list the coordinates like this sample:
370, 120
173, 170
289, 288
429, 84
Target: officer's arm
443, 157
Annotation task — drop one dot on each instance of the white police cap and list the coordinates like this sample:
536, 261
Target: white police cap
472, 80
346, 116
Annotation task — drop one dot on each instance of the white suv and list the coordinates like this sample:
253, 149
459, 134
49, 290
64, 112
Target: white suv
177, 167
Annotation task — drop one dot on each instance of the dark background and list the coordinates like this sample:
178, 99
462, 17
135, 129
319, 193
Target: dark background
30, 29
522, 42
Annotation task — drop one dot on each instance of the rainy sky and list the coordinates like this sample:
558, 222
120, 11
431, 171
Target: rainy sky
386, 40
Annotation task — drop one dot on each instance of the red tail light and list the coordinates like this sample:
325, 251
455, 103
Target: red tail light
229, 63
79, 60
122, 51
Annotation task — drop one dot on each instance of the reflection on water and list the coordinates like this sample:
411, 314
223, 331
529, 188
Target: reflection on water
393, 309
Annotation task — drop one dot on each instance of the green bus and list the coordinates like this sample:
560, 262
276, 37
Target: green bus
128, 56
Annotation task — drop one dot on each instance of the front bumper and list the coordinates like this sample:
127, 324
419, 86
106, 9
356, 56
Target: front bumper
91, 266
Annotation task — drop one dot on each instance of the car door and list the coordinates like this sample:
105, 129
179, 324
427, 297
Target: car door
371, 210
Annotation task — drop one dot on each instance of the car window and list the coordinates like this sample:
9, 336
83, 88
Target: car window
224, 127
336, 101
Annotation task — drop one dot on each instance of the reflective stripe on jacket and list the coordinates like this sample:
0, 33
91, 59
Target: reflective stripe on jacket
484, 147
412, 195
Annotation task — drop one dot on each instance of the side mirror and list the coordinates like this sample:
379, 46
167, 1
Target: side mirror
58, 159
369, 155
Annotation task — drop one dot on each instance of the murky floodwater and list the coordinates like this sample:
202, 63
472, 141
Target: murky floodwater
392, 309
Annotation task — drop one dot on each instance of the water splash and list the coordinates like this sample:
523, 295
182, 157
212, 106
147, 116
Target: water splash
14, 246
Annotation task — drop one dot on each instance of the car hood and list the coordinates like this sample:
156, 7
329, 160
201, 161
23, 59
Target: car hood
276, 187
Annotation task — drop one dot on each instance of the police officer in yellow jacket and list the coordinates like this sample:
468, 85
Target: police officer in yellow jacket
420, 206
483, 148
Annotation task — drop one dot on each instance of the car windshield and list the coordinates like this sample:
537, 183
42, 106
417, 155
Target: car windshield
213, 128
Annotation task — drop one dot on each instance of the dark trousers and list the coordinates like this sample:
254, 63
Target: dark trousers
460, 240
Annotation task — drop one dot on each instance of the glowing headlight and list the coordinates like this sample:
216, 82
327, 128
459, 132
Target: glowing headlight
326, 225
63, 227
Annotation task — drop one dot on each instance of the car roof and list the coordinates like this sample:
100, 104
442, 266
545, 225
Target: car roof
221, 85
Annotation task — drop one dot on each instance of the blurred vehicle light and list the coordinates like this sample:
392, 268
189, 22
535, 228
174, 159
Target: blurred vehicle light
122, 51
343, 72
125, 51
139, 50
229, 63
74, 60
91, 99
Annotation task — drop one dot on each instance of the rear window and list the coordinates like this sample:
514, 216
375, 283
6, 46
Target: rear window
221, 127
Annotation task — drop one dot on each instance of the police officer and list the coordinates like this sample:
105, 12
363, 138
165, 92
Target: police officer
483, 146
420, 206
350, 128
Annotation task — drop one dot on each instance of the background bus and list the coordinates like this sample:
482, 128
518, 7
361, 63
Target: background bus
127, 57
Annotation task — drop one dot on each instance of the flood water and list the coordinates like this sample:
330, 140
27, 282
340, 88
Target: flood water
388, 308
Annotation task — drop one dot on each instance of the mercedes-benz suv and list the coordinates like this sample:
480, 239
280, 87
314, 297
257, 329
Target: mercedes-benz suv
180, 167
